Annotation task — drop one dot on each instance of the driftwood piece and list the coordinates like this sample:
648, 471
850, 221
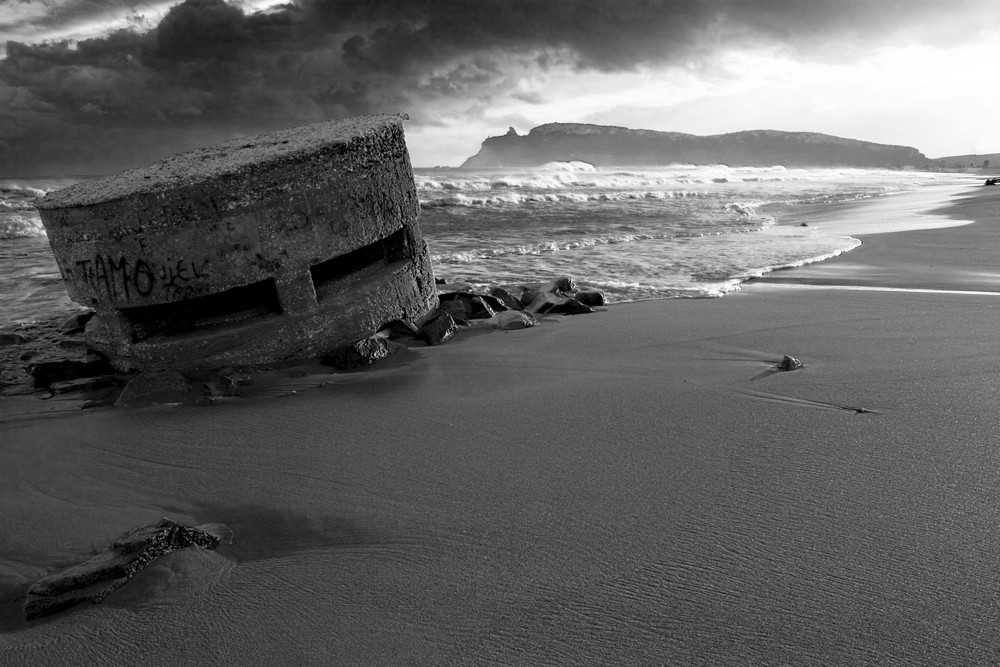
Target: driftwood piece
97, 578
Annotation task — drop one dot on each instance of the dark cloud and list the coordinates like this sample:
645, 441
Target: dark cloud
209, 70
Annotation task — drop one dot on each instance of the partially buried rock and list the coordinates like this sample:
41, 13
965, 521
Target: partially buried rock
97, 578
456, 309
788, 364
220, 385
590, 297
570, 307
510, 320
362, 353
439, 329
548, 302
493, 302
560, 285
506, 298
466, 305
528, 297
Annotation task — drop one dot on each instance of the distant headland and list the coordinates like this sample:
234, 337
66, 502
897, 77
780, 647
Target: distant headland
604, 145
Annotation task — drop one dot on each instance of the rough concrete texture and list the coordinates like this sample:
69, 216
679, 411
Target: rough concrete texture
259, 249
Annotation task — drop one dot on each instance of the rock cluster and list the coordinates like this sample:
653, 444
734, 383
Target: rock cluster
461, 305
53, 358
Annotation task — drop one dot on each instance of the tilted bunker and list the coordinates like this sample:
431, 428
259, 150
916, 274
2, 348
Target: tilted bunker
270, 247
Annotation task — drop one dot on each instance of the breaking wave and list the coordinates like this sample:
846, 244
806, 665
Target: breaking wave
20, 225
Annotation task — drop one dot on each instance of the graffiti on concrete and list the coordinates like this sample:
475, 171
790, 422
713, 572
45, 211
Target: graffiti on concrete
123, 276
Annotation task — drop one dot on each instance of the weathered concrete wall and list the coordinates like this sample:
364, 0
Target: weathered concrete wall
257, 249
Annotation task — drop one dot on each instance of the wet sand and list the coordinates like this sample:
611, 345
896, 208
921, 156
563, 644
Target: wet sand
635, 486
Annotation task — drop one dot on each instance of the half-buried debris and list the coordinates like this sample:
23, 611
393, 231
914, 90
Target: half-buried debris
94, 580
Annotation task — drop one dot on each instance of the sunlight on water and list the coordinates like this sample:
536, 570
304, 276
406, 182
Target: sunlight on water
645, 232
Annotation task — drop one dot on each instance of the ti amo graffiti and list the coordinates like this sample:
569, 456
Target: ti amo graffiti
124, 276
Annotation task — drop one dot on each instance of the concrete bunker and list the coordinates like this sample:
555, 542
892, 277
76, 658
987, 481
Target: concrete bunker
271, 247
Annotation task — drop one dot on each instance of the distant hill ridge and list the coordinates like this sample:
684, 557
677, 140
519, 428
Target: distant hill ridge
962, 161
608, 145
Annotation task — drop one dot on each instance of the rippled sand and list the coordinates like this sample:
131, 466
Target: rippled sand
630, 487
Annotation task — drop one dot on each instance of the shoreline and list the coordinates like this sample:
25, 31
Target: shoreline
638, 485
954, 257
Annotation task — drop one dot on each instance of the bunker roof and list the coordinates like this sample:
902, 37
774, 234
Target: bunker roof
219, 160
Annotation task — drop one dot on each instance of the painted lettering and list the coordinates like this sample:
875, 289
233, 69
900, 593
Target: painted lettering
123, 276
122, 267
143, 279
101, 273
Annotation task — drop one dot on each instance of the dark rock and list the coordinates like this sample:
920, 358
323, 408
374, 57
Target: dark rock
220, 386
12, 338
590, 297
156, 386
510, 320
84, 384
474, 306
788, 364
399, 329
992, 181
76, 322
53, 369
528, 297
557, 304
439, 329
494, 303
506, 298
440, 281
362, 353
569, 307
456, 309
540, 301
559, 285
97, 578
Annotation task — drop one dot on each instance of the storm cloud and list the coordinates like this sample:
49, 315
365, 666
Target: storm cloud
211, 70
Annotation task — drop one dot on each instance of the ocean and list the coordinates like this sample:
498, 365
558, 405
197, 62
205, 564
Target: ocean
633, 233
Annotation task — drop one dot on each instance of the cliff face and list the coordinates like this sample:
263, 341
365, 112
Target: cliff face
609, 146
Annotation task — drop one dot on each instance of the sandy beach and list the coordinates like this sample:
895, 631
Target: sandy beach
636, 486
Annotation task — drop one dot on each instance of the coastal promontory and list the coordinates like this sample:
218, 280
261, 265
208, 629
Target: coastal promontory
604, 145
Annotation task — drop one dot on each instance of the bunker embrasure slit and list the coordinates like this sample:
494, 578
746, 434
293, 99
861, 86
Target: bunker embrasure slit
213, 311
333, 274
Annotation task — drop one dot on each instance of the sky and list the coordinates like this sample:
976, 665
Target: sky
96, 86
